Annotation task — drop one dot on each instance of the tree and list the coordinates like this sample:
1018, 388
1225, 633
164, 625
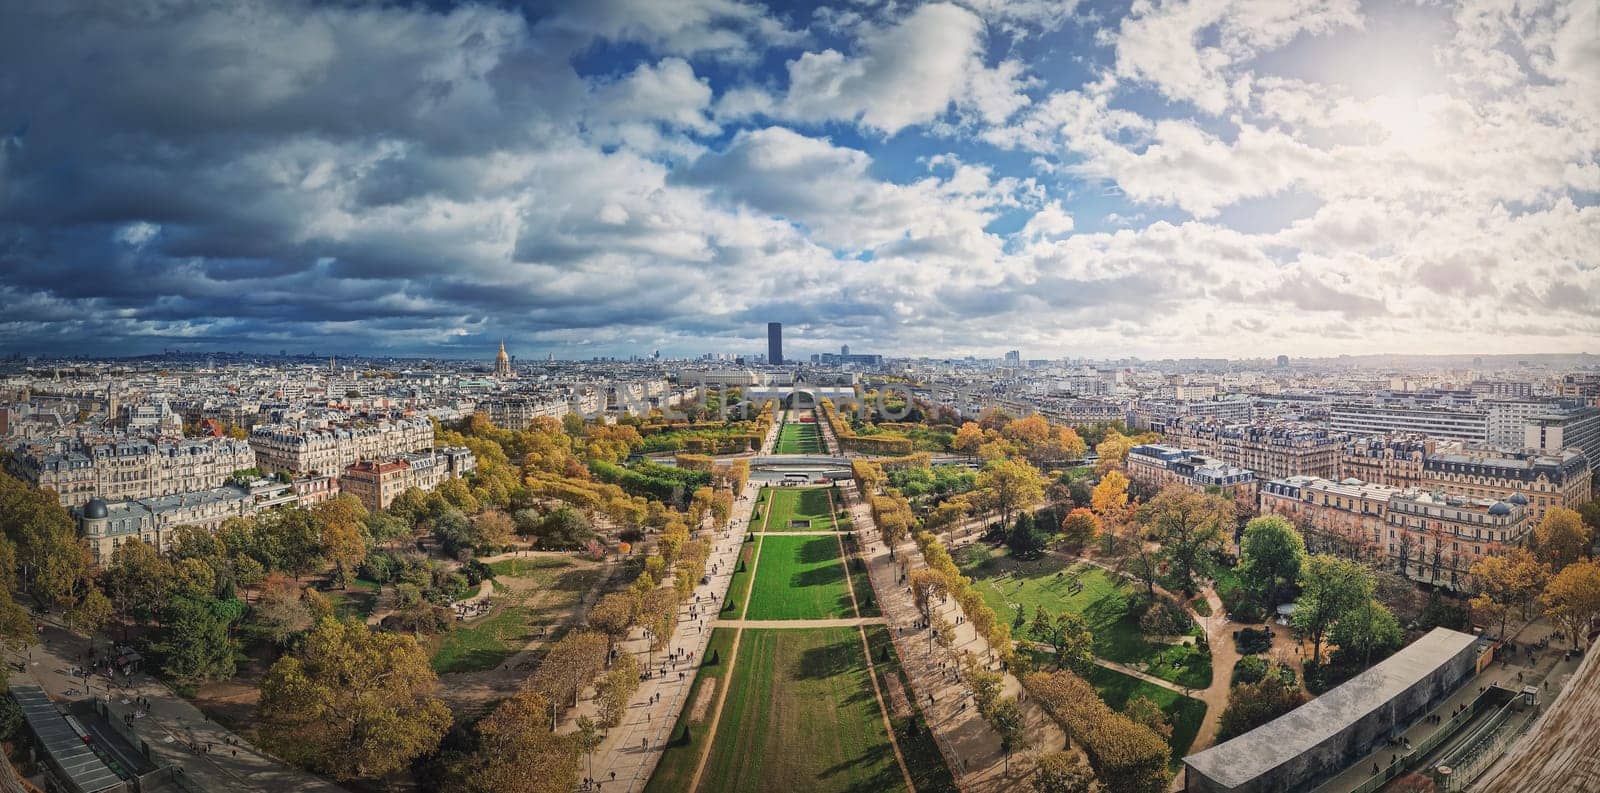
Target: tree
137, 581
927, 587
1505, 582
589, 738
1012, 485
1113, 451
1007, 719
1561, 538
352, 703
1025, 540
1189, 526
614, 615
1330, 587
494, 529
1079, 528
967, 438
1073, 643
1251, 705
1572, 599
518, 753
1366, 633
564, 527
293, 533
343, 524
1270, 556
1143, 710
1110, 495
1062, 772
195, 642
281, 611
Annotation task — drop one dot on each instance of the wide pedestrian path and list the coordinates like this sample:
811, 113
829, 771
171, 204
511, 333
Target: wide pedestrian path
632, 749
177, 734
971, 746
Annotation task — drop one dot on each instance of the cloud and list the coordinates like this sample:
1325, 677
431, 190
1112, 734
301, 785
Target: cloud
601, 178
909, 72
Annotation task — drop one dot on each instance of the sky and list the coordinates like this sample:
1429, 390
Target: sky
1159, 178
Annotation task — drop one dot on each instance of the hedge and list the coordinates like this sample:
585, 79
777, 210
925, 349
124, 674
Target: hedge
1128, 757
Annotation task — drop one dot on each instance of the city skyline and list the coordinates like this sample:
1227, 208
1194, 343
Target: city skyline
1078, 179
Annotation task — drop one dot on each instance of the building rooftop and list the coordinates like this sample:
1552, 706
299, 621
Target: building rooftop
1303, 729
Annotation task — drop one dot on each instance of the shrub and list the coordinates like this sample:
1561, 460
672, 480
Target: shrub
1241, 606
1252, 640
1250, 669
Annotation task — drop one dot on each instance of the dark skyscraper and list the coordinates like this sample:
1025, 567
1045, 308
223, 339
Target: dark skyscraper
775, 343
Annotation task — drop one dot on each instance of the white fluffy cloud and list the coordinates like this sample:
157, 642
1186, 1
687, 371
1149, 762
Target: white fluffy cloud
907, 72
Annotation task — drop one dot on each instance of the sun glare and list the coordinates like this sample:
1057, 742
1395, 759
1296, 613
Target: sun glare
1407, 121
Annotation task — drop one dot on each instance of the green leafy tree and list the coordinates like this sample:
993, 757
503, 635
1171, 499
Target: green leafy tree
1330, 587
1251, 705
1270, 556
1011, 485
196, 641
1025, 540
1366, 634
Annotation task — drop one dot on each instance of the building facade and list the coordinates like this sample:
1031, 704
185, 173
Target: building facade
1435, 537
130, 468
1271, 451
1394, 461
324, 450
1348, 518
1157, 466
1547, 481
104, 526
1457, 424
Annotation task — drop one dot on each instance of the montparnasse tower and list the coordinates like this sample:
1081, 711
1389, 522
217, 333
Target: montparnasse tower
502, 362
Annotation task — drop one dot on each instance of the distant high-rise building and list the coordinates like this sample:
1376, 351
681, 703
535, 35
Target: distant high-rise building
844, 349
1013, 358
1283, 362
775, 343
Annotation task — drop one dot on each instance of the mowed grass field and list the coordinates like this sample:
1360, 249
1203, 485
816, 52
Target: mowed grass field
1104, 600
801, 716
800, 439
799, 578
813, 505
739, 585
676, 769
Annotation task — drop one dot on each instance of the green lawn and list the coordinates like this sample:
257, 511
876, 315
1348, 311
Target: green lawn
799, 577
800, 439
801, 716
676, 768
1104, 600
923, 759
810, 505
739, 585
488, 641
1184, 713
529, 567
356, 602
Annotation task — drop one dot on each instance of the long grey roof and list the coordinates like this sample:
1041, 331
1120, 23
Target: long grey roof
1264, 748
83, 767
